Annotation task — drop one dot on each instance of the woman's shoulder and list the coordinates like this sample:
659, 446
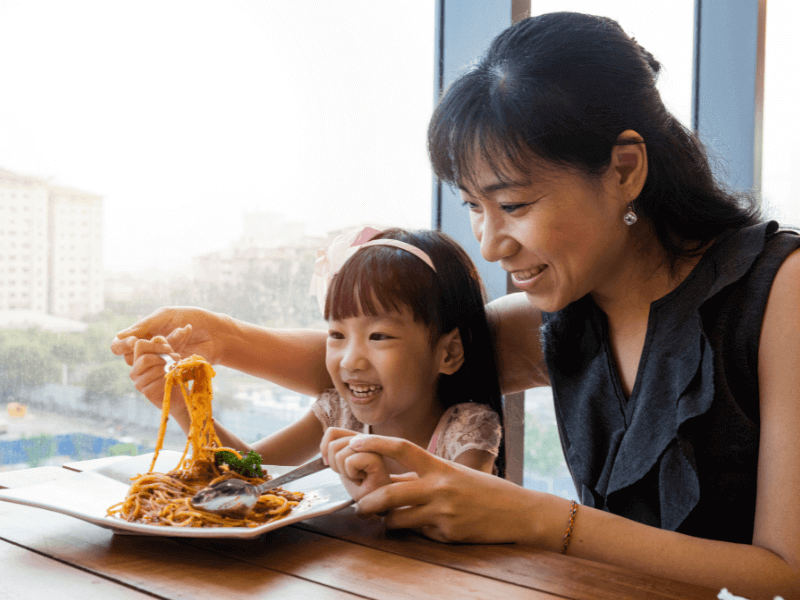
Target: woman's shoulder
783, 302
758, 247
749, 270
515, 328
743, 266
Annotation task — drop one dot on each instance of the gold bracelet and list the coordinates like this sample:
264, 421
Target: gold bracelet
568, 535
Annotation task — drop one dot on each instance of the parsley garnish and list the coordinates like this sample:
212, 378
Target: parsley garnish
249, 466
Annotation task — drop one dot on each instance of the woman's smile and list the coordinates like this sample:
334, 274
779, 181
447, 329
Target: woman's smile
526, 279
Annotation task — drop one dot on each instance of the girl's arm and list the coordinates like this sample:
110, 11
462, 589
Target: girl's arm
515, 327
294, 359
292, 445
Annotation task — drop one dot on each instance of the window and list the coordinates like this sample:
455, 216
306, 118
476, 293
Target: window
295, 121
780, 180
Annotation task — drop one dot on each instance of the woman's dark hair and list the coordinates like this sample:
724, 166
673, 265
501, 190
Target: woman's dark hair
563, 87
385, 278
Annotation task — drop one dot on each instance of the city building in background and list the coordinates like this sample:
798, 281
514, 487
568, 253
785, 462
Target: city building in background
232, 264
267, 242
23, 242
51, 258
269, 230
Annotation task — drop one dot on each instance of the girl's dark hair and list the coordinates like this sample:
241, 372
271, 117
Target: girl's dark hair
563, 87
379, 278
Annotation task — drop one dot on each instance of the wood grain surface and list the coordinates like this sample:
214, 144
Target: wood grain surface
333, 556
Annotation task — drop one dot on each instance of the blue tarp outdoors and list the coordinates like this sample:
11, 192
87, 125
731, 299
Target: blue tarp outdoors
77, 445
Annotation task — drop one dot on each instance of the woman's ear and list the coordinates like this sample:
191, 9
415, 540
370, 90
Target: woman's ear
628, 168
451, 352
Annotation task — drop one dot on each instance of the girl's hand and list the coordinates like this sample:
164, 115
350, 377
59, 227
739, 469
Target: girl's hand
360, 472
147, 374
447, 502
187, 330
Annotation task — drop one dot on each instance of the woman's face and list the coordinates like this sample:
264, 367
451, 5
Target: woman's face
560, 237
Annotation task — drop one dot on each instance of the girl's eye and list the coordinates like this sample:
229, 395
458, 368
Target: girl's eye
470, 205
379, 336
335, 335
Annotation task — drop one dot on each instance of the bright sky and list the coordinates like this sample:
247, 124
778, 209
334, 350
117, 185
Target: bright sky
780, 175
184, 115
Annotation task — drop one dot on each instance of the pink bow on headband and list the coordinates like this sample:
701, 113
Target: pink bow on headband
330, 260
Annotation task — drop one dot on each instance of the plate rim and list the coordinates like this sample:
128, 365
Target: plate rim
126, 528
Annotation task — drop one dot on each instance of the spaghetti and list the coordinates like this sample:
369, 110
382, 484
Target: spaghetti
163, 498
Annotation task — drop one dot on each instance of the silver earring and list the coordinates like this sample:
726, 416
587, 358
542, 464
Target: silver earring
630, 217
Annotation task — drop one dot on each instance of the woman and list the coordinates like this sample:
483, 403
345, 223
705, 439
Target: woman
661, 309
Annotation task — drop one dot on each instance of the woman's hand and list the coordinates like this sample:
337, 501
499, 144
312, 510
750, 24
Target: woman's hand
147, 374
187, 330
361, 472
447, 502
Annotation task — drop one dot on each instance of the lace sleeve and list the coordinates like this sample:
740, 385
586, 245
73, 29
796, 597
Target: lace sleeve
470, 425
332, 411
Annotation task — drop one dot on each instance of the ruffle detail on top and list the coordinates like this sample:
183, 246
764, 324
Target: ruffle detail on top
469, 426
632, 457
333, 411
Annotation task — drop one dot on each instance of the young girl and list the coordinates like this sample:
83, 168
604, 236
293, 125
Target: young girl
408, 352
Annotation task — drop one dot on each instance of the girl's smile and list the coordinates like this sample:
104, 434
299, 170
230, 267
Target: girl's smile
361, 393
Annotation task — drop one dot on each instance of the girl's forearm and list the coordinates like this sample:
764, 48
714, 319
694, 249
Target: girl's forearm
229, 439
180, 415
746, 570
294, 359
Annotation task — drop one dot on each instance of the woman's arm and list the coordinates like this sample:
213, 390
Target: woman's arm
480, 460
515, 328
450, 502
294, 359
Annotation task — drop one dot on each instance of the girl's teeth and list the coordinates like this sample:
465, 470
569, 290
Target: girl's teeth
364, 391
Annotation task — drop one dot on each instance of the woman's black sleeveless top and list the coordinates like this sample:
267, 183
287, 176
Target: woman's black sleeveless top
681, 453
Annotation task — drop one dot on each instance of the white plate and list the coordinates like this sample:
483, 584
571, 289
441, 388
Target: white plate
87, 495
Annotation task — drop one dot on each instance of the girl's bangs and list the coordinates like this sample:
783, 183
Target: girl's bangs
382, 279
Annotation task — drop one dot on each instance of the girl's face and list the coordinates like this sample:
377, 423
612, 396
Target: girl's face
560, 237
384, 367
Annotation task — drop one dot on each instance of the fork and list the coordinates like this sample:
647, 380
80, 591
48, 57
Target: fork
168, 360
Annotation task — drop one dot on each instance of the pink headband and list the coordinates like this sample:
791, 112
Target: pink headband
330, 260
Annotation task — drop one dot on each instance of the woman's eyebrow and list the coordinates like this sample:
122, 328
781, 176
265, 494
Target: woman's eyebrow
490, 188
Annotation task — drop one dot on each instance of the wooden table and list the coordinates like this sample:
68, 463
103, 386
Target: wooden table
46, 554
